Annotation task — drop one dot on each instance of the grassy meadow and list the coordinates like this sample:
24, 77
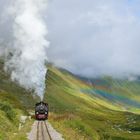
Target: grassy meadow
102, 109
107, 110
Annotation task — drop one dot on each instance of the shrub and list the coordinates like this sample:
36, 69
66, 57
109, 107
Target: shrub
8, 111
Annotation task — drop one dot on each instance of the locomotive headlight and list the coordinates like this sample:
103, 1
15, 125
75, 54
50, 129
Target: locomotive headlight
37, 113
46, 113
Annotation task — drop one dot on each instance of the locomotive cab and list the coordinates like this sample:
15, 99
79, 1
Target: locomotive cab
41, 111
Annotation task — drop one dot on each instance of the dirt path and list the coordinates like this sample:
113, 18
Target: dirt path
42, 130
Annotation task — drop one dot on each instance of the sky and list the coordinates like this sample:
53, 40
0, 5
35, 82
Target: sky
89, 37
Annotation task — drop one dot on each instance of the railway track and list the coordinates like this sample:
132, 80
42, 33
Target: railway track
42, 131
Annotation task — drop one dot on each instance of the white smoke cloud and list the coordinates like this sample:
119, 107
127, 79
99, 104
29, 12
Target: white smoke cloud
28, 47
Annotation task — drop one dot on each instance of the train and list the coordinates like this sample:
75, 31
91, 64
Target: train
41, 111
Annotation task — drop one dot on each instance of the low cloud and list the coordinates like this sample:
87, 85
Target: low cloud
95, 37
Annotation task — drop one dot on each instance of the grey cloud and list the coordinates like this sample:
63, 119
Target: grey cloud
95, 37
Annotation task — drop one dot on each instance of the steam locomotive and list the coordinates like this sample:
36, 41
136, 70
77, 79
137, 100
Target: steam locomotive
41, 111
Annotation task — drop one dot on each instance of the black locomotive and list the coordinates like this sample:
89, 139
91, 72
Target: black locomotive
41, 111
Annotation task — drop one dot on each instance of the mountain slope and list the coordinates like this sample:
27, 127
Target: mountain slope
106, 109
79, 114
124, 93
14, 102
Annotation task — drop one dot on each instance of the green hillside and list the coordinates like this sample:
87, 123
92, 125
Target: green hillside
103, 109
104, 114
14, 102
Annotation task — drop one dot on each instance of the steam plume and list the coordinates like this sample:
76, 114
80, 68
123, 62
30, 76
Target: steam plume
28, 53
